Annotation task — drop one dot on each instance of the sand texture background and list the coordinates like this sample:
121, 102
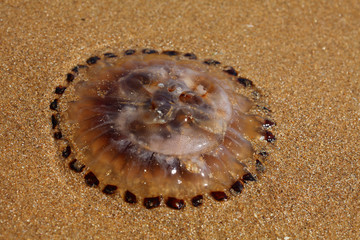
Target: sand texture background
304, 55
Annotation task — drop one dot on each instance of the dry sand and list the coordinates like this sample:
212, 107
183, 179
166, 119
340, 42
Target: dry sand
304, 56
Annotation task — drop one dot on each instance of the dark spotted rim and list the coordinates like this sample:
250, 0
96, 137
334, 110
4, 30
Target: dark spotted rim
152, 202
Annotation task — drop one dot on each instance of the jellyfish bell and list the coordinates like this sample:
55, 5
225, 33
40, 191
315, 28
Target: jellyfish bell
153, 125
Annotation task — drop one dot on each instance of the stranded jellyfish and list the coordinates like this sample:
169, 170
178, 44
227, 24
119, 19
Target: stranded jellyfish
160, 127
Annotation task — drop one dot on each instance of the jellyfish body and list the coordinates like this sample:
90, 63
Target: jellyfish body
154, 126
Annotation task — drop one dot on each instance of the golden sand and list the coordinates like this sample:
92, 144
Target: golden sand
304, 57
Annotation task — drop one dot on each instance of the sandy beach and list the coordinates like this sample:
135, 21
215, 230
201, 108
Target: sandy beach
304, 56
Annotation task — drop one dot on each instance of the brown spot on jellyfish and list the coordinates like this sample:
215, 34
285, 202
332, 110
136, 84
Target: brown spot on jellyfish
160, 128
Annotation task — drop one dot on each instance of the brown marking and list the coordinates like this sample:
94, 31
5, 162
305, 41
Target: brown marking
175, 203
219, 196
91, 180
197, 200
150, 203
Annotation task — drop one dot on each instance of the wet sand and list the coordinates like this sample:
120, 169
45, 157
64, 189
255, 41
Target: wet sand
305, 59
